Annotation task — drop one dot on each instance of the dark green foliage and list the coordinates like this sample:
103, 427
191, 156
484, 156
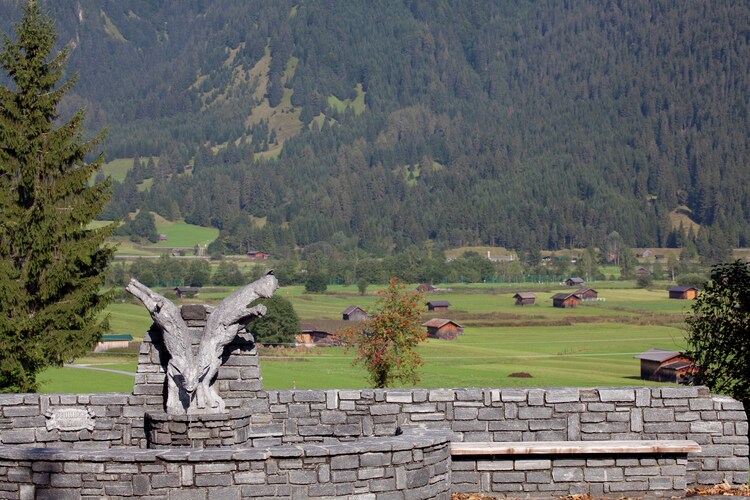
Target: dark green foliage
644, 280
719, 332
140, 228
279, 325
228, 274
695, 280
316, 283
362, 286
51, 266
198, 273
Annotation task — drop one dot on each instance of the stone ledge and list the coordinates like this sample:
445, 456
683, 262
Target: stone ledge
575, 447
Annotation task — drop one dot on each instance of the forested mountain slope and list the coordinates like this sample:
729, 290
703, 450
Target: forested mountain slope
522, 124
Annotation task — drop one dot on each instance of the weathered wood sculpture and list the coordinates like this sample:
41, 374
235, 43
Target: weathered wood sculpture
190, 376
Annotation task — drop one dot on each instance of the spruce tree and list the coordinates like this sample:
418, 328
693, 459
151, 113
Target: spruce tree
51, 263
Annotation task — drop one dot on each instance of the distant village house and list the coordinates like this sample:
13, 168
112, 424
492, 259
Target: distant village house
525, 299
443, 329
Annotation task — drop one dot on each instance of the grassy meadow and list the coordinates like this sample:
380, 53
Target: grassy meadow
503, 345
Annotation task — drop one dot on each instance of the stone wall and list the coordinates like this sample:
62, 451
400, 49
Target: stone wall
717, 423
560, 475
414, 465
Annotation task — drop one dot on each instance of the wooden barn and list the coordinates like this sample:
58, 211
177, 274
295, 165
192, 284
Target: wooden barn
186, 291
354, 313
443, 329
586, 294
256, 255
525, 299
574, 281
642, 271
565, 300
113, 341
682, 292
311, 335
659, 365
321, 333
438, 305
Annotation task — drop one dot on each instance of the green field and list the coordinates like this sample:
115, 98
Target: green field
592, 345
118, 168
181, 234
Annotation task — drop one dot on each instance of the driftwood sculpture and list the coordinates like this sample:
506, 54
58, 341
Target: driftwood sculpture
190, 377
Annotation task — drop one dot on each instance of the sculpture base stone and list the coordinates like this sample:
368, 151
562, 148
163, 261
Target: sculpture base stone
197, 431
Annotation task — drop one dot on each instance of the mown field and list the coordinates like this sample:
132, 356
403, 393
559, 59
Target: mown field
592, 345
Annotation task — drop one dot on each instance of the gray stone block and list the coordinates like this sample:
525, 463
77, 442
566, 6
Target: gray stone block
567, 474
616, 395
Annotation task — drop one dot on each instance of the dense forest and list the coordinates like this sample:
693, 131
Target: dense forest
380, 125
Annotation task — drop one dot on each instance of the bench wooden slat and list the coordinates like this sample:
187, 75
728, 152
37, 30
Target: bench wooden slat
574, 447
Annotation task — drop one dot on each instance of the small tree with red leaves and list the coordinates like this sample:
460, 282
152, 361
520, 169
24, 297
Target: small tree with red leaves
386, 342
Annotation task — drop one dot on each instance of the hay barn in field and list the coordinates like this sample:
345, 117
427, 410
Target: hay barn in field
565, 300
682, 292
574, 281
443, 329
586, 294
438, 305
659, 365
525, 299
354, 313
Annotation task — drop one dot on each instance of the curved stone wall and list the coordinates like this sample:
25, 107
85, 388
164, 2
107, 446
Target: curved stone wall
415, 464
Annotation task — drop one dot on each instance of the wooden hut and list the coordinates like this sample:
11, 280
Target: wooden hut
113, 341
443, 329
525, 299
586, 294
321, 333
311, 335
256, 255
565, 300
682, 292
354, 313
574, 281
659, 365
438, 305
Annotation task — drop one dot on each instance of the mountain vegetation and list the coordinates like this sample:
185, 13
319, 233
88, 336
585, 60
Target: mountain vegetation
381, 125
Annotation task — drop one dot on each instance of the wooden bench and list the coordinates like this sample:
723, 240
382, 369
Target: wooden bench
646, 447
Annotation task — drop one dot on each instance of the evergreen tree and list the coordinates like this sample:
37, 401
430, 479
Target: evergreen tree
51, 265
